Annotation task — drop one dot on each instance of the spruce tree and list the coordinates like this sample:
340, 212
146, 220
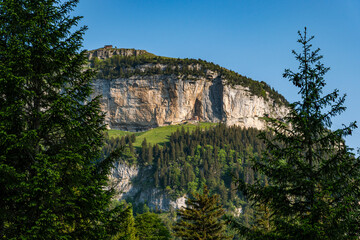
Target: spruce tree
126, 224
150, 226
51, 182
313, 190
201, 218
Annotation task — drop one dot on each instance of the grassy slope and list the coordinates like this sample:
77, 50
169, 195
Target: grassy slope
157, 135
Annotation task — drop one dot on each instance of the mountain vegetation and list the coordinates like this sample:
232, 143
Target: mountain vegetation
191, 159
159, 135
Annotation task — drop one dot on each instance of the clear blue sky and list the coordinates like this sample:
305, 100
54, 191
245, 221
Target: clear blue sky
251, 37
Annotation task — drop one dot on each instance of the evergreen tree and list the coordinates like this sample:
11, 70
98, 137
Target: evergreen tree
150, 226
126, 225
313, 190
144, 152
51, 184
200, 219
149, 155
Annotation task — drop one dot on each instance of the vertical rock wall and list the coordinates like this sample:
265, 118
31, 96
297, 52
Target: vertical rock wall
142, 102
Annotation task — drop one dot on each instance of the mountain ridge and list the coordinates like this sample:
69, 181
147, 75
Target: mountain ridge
141, 91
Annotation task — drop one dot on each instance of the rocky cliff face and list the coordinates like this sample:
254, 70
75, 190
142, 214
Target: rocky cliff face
131, 182
142, 102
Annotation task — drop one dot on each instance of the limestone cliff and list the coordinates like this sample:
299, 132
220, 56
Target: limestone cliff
142, 102
141, 91
135, 185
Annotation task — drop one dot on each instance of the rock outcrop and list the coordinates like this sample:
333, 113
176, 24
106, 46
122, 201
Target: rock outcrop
135, 184
142, 102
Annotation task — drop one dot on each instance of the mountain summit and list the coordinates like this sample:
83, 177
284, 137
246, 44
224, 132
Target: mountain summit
141, 91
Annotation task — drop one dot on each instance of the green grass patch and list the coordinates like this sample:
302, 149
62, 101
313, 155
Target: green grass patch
159, 135
119, 133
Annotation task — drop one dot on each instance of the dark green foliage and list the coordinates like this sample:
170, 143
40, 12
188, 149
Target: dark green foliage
127, 66
150, 226
127, 153
125, 222
313, 190
51, 184
211, 156
201, 218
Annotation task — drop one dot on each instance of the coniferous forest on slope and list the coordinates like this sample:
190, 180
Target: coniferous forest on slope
215, 156
191, 159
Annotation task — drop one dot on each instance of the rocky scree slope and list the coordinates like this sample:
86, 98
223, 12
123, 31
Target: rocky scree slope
141, 91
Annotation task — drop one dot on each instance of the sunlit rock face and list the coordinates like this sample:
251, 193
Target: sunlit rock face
135, 183
142, 102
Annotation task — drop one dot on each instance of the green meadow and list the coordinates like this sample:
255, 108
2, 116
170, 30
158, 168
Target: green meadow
160, 134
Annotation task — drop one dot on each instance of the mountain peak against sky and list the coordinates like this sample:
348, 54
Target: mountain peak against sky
254, 38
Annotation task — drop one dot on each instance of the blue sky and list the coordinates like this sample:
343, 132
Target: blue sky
251, 37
